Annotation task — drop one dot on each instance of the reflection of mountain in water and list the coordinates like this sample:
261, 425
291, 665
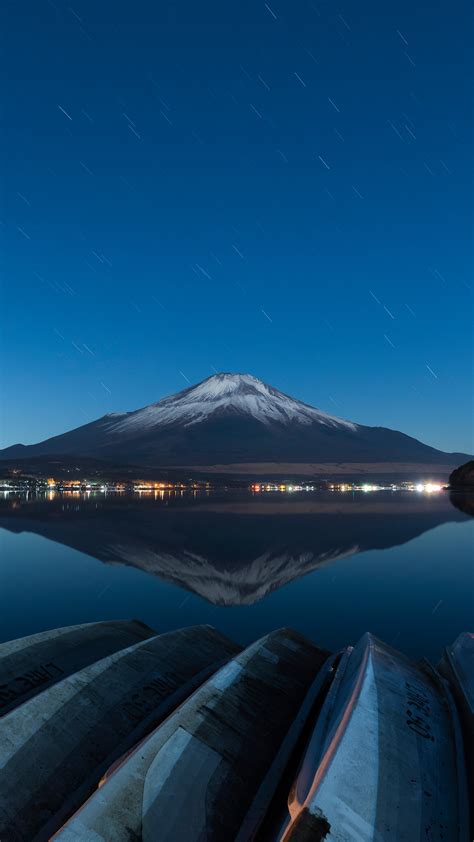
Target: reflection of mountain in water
230, 552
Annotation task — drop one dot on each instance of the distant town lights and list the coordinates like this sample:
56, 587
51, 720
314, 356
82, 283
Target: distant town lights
429, 487
55, 486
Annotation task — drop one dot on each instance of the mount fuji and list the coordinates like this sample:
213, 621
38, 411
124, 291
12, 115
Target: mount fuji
238, 424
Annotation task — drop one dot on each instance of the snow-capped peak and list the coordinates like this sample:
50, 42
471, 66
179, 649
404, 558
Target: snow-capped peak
240, 394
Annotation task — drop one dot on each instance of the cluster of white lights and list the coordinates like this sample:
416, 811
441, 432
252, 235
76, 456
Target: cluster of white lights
429, 487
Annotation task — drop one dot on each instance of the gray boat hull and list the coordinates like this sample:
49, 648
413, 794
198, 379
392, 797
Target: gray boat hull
55, 748
385, 762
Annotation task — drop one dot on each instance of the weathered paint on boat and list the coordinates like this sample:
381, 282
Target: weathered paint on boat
197, 775
261, 803
384, 763
31, 664
56, 746
457, 665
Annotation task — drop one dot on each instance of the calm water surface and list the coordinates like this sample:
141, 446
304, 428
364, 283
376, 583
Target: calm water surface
330, 565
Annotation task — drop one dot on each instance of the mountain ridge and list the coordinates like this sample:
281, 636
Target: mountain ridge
228, 419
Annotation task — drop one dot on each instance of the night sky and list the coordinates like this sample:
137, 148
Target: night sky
282, 189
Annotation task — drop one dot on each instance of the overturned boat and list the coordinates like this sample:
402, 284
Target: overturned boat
56, 745
110, 732
385, 759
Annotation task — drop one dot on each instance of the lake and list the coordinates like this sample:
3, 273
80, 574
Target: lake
331, 565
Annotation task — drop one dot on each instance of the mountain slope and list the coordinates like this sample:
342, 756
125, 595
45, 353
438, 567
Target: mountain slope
228, 419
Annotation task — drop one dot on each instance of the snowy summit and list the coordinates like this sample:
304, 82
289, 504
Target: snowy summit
225, 393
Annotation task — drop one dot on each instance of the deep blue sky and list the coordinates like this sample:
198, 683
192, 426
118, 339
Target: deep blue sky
282, 189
